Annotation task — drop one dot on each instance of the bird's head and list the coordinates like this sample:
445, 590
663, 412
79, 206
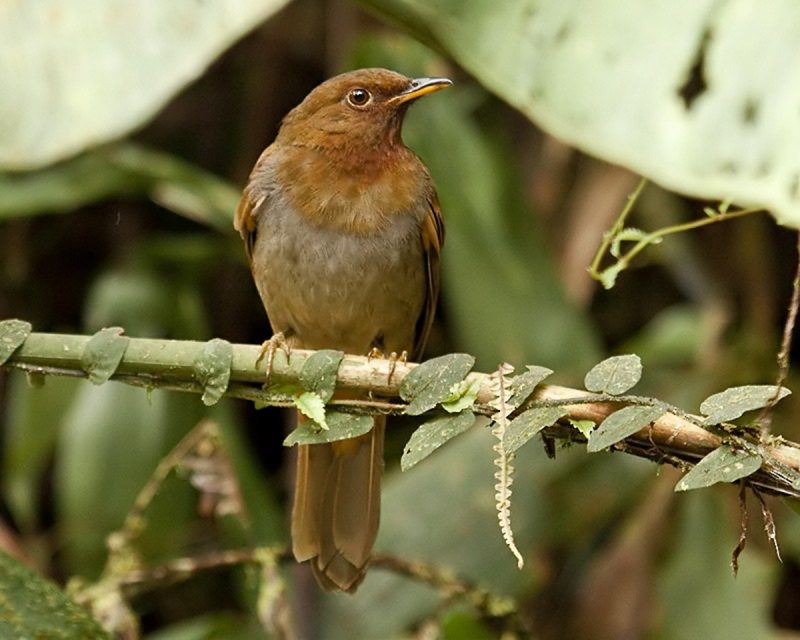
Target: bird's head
358, 108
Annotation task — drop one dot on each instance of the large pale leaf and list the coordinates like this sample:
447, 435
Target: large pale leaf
699, 95
76, 73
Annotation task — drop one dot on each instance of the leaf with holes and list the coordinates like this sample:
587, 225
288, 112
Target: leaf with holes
734, 402
103, 353
432, 435
431, 382
319, 372
724, 464
12, 335
621, 424
212, 369
614, 375
341, 426
522, 386
528, 424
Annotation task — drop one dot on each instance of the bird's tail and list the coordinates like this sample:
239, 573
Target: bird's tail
337, 506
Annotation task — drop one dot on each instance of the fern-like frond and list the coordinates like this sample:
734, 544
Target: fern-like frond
500, 384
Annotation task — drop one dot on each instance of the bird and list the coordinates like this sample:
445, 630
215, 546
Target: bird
343, 232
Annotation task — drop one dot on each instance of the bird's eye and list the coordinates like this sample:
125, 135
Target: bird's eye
358, 97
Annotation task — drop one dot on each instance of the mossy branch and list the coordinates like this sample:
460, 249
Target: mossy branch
676, 438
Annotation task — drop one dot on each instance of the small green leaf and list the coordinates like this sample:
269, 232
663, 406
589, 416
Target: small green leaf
432, 435
608, 276
724, 464
614, 375
313, 407
528, 424
629, 234
621, 424
103, 353
341, 426
212, 369
12, 335
522, 386
319, 372
734, 402
462, 396
32, 607
584, 426
430, 383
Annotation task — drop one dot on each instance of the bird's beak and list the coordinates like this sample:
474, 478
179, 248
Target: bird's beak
420, 87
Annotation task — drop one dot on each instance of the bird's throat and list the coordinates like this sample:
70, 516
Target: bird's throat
360, 196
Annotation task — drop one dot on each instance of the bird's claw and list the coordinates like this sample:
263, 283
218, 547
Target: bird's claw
268, 349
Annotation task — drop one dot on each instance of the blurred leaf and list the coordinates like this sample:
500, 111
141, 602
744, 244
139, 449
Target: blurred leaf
723, 464
313, 408
32, 607
432, 381
117, 170
433, 434
319, 373
111, 440
673, 337
691, 85
146, 304
212, 369
509, 304
463, 625
700, 597
103, 353
341, 426
528, 424
78, 74
12, 335
734, 402
614, 375
218, 626
621, 424
33, 419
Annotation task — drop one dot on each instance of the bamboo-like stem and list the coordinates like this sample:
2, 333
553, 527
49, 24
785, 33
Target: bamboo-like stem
674, 438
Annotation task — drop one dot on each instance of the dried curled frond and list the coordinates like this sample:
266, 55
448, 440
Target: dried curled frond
500, 384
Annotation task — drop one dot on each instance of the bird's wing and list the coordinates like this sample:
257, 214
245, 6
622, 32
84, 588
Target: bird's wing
246, 219
432, 233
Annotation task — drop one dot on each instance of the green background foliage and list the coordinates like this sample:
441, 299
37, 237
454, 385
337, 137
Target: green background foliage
124, 143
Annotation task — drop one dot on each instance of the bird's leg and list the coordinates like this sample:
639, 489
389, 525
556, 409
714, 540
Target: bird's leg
268, 349
393, 360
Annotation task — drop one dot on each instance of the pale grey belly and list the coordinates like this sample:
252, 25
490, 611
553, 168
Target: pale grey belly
325, 289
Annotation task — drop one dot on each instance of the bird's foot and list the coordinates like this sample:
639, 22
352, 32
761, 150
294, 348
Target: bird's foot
393, 359
268, 349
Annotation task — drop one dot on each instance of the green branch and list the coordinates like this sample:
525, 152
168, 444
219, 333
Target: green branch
676, 437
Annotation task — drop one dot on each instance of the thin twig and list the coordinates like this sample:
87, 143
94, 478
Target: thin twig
765, 418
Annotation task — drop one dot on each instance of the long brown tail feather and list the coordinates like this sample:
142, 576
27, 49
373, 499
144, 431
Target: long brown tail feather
337, 507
